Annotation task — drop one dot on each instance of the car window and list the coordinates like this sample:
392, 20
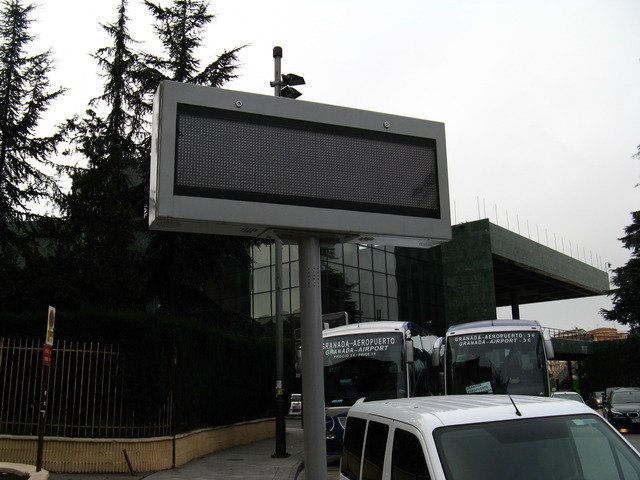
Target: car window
407, 459
374, 451
352, 447
629, 396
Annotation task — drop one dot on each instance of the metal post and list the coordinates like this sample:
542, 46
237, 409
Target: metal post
515, 306
277, 59
281, 430
42, 415
315, 447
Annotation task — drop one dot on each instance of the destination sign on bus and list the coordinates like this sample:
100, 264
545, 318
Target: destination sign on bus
372, 345
495, 338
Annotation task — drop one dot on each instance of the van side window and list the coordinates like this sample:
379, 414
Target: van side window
374, 451
352, 447
407, 460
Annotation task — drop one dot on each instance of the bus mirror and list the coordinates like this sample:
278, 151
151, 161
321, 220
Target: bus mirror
435, 356
408, 350
548, 345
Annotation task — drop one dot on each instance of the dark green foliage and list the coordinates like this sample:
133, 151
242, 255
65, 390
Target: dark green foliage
104, 228
25, 96
626, 295
613, 364
179, 265
219, 377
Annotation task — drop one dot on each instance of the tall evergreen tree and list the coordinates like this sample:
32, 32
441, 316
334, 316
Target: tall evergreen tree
25, 95
180, 265
104, 209
626, 295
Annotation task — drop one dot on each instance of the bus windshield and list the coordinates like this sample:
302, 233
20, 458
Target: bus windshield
363, 365
497, 362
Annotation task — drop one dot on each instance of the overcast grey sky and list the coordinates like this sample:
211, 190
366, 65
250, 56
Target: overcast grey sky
540, 98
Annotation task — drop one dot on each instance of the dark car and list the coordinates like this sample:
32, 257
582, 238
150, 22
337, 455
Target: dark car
595, 399
622, 409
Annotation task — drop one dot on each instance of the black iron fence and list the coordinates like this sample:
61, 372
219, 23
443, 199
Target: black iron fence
86, 395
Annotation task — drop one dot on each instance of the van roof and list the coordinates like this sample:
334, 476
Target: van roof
433, 412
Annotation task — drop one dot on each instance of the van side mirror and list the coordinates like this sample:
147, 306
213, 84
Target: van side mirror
437, 349
408, 351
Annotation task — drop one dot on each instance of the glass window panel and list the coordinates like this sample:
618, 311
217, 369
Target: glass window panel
285, 253
261, 279
261, 256
261, 305
366, 281
378, 260
351, 277
393, 309
336, 268
382, 311
295, 300
286, 283
294, 252
286, 301
392, 286
295, 274
337, 253
350, 254
380, 284
366, 305
364, 257
391, 263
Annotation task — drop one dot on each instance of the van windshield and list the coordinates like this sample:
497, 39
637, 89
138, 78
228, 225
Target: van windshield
363, 365
569, 446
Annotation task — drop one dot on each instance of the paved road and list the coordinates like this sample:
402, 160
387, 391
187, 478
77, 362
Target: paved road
633, 439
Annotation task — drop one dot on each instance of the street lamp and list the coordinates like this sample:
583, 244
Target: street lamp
283, 84
282, 87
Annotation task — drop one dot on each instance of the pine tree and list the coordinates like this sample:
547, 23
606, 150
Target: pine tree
626, 295
25, 95
104, 210
180, 265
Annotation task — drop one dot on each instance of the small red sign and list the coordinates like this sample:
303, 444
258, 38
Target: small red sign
47, 353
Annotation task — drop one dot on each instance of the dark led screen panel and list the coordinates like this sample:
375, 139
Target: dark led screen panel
243, 156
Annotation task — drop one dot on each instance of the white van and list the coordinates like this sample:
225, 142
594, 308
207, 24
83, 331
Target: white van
478, 437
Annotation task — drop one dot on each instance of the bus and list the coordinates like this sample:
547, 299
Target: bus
495, 356
377, 360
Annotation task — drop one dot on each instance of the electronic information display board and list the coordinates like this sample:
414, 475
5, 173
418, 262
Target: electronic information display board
237, 163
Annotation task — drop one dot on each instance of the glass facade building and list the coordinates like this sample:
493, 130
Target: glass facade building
368, 282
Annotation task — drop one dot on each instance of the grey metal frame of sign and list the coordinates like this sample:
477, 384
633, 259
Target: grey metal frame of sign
245, 164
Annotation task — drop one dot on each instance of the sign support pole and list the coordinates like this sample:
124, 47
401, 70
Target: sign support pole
281, 429
315, 447
44, 385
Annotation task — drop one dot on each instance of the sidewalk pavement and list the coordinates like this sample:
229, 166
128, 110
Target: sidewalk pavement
247, 462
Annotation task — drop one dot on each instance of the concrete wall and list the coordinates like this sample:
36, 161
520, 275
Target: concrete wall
76, 455
467, 266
